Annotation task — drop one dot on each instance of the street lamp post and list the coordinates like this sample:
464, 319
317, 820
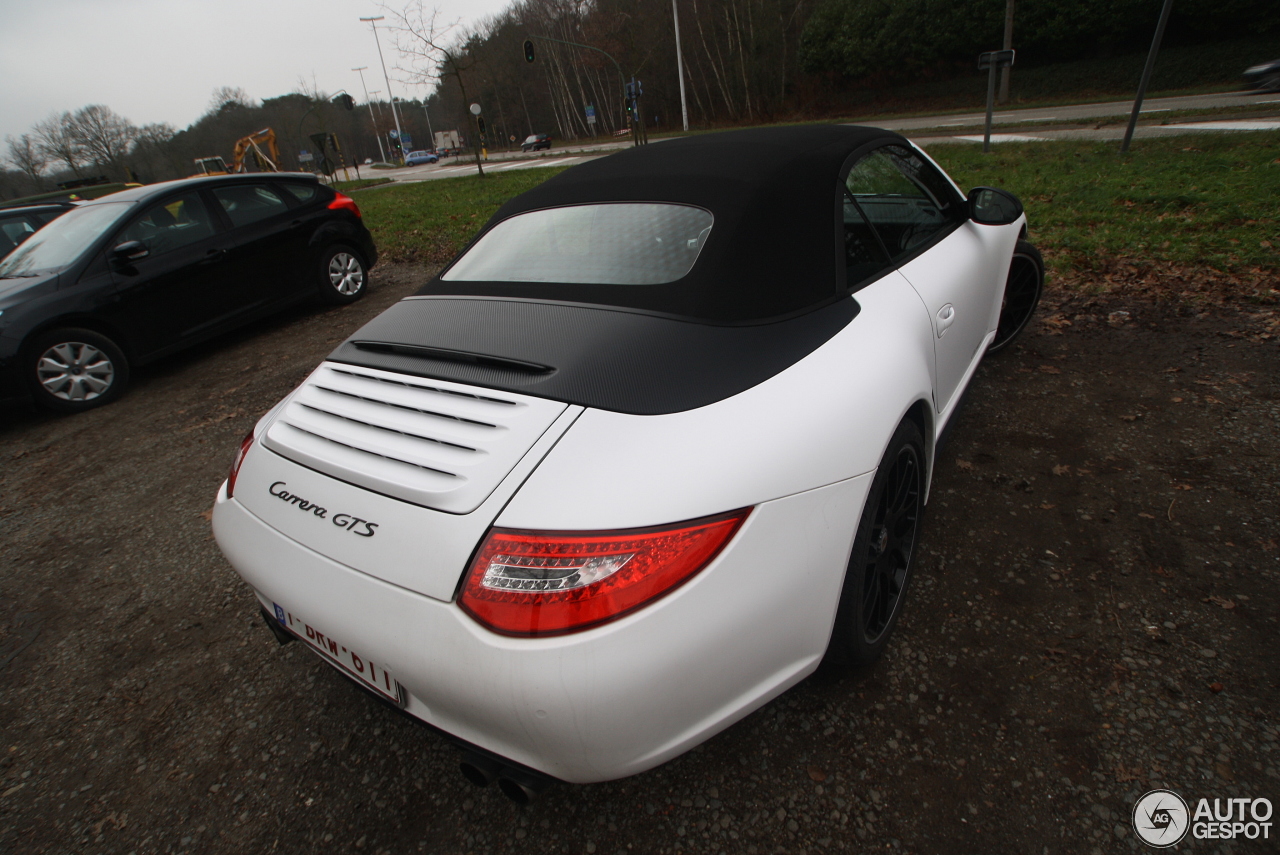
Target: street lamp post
369, 101
684, 111
378, 42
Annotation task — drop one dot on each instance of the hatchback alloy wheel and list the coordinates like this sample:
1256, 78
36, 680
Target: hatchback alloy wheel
346, 274
71, 370
75, 371
343, 275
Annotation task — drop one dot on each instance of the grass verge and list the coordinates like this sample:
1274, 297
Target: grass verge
360, 184
1204, 201
430, 221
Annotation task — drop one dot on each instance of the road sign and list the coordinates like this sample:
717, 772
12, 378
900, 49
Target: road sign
406, 140
591, 114
475, 109
995, 58
989, 62
305, 156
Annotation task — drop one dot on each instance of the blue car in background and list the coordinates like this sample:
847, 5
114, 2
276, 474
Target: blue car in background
417, 158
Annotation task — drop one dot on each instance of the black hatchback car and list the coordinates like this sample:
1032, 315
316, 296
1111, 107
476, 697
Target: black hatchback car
18, 224
127, 279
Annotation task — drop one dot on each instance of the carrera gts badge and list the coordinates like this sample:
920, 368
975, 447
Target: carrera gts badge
355, 525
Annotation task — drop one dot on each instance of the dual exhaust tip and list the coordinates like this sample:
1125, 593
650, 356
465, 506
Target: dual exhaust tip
520, 785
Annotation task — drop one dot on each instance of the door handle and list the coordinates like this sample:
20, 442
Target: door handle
946, 317
213, 256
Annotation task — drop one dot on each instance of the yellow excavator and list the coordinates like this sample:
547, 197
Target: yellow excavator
267, 161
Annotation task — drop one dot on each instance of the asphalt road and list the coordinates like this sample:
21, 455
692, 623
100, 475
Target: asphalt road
1151, 108
575, 152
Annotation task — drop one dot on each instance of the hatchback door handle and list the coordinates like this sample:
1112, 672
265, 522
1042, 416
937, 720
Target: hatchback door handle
213, 256
946, 317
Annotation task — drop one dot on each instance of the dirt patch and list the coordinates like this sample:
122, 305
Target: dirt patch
1093, 615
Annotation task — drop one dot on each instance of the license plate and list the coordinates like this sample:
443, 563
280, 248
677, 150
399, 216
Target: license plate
360, 668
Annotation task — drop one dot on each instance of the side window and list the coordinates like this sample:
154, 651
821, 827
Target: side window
172, 224
904, 198
249, 203
863, 255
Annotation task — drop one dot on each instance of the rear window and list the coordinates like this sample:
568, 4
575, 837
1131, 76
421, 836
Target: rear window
626, 243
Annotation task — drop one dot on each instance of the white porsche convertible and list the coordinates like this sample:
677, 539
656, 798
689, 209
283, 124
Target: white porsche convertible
654, 443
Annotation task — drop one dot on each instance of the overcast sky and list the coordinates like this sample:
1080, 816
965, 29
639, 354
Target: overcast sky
160, 60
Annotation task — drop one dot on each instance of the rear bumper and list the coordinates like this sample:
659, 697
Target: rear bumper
601, 704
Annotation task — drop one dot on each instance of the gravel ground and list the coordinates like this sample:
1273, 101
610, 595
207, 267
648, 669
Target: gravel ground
1093, 616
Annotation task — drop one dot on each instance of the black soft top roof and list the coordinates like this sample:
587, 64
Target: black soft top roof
775, 249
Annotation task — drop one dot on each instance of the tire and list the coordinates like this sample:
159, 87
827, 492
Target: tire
343, 275
1021, 294
879, 568
73, 370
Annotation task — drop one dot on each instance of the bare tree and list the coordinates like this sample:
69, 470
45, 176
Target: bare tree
153, 153
432, 50
104, 135
56, 140
229, 96
25, 155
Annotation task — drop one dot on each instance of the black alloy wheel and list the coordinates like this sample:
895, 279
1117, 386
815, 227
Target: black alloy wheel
879, 568
343, 275
1021, 294
72, 370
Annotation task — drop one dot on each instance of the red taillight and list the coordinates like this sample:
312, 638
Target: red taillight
235, 464
342, 202
548, 583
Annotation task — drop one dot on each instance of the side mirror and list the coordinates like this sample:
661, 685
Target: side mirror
993, 207
130, 251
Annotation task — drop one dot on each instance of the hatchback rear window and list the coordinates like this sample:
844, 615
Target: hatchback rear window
626, 243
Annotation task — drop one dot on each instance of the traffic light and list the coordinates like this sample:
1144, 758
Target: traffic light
480, 122
528, 50
344, 100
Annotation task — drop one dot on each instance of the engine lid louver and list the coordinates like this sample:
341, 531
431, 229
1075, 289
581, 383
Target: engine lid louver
437, 444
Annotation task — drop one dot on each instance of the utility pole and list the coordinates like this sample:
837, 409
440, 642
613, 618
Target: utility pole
1008, 44
373, 23
684, 110
381, 154
430, 132
1146, 74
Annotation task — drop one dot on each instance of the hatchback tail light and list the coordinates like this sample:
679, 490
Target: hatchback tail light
549, 583
245, 445
343, 202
